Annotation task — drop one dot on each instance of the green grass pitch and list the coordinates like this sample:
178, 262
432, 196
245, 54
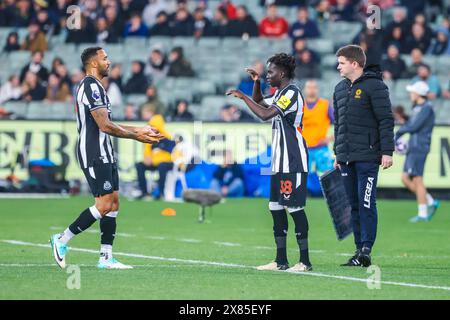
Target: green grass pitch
178, 258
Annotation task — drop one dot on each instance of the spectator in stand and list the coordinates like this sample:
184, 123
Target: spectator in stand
130, 113
229, 8
115, 75
57, 90
22, 14
434, 85
35, 66
220, 23
202, 25
157, 65
135, 27
393, 65
126, 9
178, 65
246, 84
60, 69
273, 25
76, 77
161, 26
304, 27
228, 179
417, 61
440, 45
307, 68
115, 23
91, 9
32, 89
300, 45
183, 24
10, 90
397, 38
417, 38
113, 92
46, 24
153, 101
203, 4
343, 11
152, 10
422, 20
244, 25
182, 113
105, 33
371, 40
86, 34
12, 42
323, 11
35, 40
137, 84
400, 20
231, 113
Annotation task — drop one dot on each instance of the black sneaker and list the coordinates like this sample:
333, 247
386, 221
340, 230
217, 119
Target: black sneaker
364, 258
353, 261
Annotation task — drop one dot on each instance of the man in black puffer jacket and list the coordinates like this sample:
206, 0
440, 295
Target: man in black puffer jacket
364, 139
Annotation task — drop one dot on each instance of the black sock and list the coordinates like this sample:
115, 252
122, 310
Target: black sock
108, 230
280, 227
301, 233
85, 220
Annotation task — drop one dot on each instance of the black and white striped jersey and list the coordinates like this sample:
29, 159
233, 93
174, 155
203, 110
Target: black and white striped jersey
289, 150
94, 146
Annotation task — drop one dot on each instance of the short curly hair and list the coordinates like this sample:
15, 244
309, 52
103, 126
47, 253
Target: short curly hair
285, 61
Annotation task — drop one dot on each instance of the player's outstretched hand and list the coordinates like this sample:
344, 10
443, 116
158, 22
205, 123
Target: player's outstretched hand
148, 134
235, 93
253, 74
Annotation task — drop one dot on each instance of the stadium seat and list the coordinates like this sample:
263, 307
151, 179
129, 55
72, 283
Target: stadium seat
321, 46
19, 108
136, 99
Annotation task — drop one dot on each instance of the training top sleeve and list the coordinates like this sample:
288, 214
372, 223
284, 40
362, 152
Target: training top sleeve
94, 95
287, 101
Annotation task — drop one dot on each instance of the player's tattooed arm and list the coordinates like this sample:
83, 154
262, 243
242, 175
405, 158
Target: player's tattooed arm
145, 134
257, 95
261, 111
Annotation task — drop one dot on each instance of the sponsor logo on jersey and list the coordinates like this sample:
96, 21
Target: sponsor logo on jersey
107, 186
283, 102
358, 94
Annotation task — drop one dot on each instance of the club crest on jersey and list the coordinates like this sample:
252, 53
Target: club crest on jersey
283, 102
107, 186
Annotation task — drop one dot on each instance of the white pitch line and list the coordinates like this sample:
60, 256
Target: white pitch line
227, 244
232, 265
190, 240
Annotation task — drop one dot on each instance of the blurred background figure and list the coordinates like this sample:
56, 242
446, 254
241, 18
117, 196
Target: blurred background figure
181, 112
228, 179
232, 113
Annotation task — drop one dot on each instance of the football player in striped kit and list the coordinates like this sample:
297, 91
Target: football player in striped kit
97, 160
289, 156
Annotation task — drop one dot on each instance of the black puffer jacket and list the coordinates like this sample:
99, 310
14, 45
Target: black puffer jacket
364, 125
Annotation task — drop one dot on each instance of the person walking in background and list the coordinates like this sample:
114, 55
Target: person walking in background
420, 127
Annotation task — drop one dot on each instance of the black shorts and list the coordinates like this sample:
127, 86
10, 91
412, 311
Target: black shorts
289, 189
102, 178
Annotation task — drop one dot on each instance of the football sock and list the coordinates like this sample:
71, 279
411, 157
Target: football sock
84, 221
430, 199
423, 210
301, 233
66, 236
105, 251
108, 228
280, 228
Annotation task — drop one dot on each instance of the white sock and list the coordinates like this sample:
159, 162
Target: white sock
423, 210
430, 199
106, 251
66, 236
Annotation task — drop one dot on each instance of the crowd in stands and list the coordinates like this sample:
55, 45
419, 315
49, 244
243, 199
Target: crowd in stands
413, 31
